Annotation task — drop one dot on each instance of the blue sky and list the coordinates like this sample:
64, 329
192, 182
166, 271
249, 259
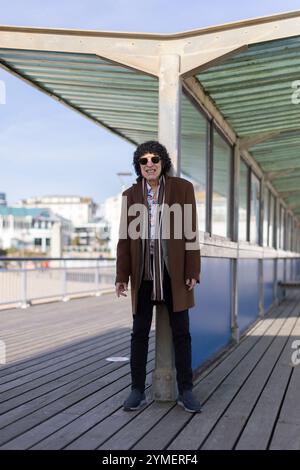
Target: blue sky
46, 148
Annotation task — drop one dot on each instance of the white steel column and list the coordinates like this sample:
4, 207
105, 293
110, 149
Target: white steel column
164, 375
261, 303
170, 87
235, 236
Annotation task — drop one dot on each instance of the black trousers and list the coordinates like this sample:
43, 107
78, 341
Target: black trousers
179, 322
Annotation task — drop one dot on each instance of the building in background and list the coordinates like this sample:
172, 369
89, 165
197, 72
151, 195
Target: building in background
111, 211
92, 237
32, 229
90, 233
3, 199
79, 210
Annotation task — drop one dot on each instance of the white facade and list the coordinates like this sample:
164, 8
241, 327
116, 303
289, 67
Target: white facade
92, 237
79, 210
111, 211
31, 229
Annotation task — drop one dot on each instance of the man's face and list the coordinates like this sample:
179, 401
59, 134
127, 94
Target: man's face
151, 171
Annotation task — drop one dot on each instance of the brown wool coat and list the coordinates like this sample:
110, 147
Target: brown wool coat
183, 264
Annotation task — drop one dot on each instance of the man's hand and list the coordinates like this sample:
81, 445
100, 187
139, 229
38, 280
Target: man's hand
191, 283
121, 287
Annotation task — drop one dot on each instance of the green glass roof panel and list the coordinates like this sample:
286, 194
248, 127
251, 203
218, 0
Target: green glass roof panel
119, 98
253, 91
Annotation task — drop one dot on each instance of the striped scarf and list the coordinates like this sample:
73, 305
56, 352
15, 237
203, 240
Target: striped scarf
153, 264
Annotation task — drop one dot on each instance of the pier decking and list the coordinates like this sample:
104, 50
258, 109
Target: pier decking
58, 391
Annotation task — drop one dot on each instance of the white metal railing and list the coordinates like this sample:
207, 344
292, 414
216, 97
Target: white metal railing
24, 280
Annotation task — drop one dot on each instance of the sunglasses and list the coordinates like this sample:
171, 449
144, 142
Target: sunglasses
144, 160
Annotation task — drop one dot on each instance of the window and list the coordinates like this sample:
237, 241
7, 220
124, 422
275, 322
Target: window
294, 231
254, 209
266, 217
281, 227
271, 221
194, 129
221, 185
243, 201
288, 231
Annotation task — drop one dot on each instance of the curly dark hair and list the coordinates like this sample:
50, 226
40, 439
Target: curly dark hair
152, 146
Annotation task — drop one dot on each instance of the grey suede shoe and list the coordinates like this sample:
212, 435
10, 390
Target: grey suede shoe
135, 401
189, 402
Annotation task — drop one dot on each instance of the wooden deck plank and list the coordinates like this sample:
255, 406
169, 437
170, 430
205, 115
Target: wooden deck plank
48, 373
61, 394
286, 437
46, 328
47, 341
47, 313
136, 426
38, 360
287, 430
229, 427
125, 437
95, 426
114, 419
259, 428
113, 340
194, 434
64, 378
167, 433
52, 391
99, 402
44, 356
236, 355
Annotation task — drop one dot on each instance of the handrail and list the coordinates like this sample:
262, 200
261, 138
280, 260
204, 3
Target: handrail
59, 278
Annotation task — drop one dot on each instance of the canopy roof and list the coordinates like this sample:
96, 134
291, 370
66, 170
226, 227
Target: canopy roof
253, 90
247, 69
119, 98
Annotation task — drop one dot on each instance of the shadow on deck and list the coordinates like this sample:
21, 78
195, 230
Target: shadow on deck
57, 390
